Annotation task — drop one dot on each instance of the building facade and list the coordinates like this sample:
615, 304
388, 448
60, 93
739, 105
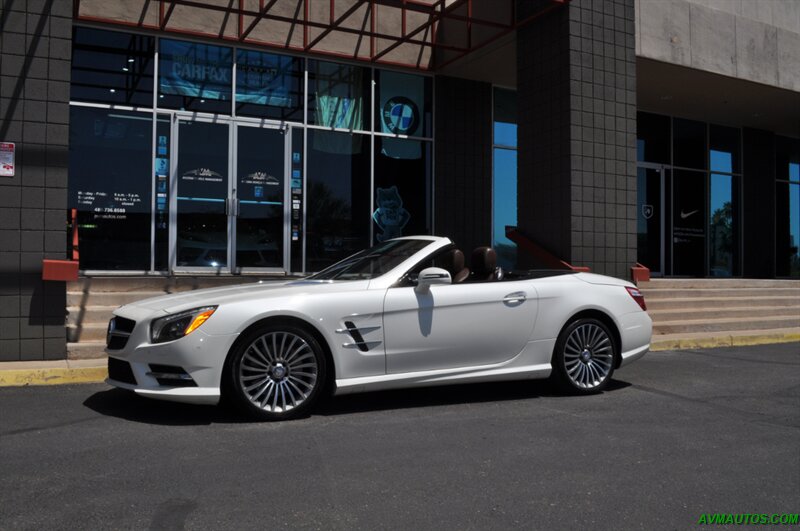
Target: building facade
274, 137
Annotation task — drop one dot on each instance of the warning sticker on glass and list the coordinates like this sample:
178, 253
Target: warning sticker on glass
6, 159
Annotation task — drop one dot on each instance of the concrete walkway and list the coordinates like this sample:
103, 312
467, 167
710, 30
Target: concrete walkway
56, 372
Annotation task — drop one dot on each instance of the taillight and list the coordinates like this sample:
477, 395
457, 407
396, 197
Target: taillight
637, 296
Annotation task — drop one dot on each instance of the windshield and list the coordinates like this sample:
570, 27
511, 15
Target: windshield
372, 262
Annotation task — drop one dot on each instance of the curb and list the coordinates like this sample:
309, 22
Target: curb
722, 341
52, 376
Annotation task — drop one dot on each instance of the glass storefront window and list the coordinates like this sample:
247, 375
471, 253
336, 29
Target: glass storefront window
337, 196
269, 85
338, 95
194, 77
504, 175
505, 117
110, 168
403, 104
787, 207
162, 169
724, 149
689, 144
112, 67
721, 232
652, 138
402, 188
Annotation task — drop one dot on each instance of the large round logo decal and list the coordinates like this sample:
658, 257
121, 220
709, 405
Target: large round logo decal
400, 115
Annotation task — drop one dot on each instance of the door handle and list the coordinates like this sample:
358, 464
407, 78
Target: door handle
232, 206
517, 296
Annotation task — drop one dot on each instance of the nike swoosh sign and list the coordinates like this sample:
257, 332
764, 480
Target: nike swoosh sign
685, 215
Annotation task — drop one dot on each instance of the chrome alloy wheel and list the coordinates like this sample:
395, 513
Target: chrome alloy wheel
588, 356
278, 372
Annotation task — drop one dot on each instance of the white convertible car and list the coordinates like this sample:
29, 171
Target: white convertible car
402, 314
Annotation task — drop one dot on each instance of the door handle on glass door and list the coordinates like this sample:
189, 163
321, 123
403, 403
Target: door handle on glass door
517, 296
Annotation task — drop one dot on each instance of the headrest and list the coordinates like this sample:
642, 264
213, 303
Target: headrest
484, 260
454, 261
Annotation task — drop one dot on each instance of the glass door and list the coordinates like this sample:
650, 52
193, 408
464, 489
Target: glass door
200, 220
650, 218
260, 195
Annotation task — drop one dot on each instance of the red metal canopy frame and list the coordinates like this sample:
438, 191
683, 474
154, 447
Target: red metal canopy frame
423, 35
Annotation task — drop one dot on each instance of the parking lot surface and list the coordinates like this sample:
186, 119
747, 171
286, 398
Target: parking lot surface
677, 435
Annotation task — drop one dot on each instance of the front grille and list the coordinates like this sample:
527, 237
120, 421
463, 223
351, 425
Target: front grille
171, 375
120, 371
119, 330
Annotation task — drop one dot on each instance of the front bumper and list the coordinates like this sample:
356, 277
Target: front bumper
200, 355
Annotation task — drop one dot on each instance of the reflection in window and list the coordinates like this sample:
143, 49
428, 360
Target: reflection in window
194, 77
112, 67
110, 180
505, 117
787, 207
504, 171
337, 95
269, 85
403, 105
721, 228
724, 149
337, 197
402, 188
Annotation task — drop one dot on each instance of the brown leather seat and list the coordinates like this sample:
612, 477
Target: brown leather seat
454, 263
484, 264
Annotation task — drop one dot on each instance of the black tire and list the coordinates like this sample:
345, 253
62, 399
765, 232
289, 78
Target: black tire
276, 371
584, 357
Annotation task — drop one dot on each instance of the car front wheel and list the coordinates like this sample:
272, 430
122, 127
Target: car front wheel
277, 372
584, 356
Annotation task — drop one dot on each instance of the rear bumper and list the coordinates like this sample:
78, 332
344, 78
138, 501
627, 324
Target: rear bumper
636, 331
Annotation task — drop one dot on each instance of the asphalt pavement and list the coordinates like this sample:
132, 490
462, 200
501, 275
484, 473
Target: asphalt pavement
677, 435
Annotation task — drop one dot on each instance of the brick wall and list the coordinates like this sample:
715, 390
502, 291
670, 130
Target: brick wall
576, 83
463, 178
35, 50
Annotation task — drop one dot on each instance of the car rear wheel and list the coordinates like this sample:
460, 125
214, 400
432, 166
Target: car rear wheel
584, 356
277, 372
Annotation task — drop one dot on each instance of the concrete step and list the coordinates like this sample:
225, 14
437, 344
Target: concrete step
692, 313
114, 299
669, 293
706, 283
89, 314
163, 284
718, 303
87, 332
724, 324
86, 350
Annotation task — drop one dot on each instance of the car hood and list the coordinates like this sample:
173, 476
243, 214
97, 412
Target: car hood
181, 301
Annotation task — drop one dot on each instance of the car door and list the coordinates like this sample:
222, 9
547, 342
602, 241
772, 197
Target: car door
457, 325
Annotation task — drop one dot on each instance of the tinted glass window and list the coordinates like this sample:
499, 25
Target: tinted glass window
112, 67
194, 77
110, 181
787, 159
689, 144
338, 95
787, 229
269, 85
505, 117
403, 104
337, 197
724, 149
652, 138
504, 205
402, 188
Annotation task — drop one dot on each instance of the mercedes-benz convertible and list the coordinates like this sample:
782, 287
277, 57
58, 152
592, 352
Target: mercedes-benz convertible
408, 312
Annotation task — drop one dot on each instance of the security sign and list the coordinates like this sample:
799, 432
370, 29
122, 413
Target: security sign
6, 159
647, 211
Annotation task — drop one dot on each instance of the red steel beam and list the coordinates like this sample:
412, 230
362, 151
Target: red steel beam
262, 12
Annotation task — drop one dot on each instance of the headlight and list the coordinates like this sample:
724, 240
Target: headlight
177, 325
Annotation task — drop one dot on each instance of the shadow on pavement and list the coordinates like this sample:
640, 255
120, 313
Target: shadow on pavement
129, 406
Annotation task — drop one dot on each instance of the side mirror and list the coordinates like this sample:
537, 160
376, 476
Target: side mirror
432, 275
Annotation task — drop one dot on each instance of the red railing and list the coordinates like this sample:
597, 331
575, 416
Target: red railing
539, 253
